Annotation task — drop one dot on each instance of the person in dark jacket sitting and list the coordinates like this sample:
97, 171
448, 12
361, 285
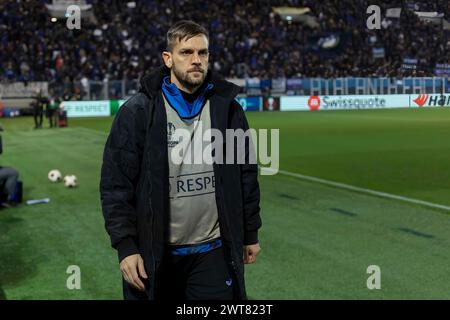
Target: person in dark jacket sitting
8, 181
183, 230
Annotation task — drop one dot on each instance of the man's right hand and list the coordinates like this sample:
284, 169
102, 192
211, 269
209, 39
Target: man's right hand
132, 267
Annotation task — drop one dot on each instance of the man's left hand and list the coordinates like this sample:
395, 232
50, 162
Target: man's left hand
250, 253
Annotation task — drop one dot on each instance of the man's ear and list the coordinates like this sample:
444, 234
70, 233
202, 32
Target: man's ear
167, 57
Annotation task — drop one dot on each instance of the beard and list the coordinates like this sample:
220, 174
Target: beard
187, 79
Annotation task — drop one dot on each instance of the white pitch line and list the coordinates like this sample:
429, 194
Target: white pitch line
363, 190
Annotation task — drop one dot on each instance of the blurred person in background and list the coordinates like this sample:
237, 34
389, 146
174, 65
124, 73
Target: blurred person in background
38, 111
8, 182
52, 110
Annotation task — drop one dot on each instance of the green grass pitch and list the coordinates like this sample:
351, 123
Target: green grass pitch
317, 241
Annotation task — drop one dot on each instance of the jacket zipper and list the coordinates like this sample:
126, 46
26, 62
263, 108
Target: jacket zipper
225, 217
153, 280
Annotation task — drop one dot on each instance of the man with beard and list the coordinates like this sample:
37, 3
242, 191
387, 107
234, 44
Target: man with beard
182, 230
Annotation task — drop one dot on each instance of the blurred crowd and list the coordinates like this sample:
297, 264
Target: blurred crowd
247, 39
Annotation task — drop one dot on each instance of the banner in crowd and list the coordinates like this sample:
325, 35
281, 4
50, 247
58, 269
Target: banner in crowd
253, 83
279, 85
442, 69
409, 64
22, 89
294, 84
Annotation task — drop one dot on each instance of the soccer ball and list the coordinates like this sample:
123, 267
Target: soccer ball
54, 175
70, 181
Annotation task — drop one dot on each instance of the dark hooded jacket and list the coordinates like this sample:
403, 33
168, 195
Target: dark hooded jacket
134, 184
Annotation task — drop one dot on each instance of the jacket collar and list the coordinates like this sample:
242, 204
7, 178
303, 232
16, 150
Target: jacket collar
151, 83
